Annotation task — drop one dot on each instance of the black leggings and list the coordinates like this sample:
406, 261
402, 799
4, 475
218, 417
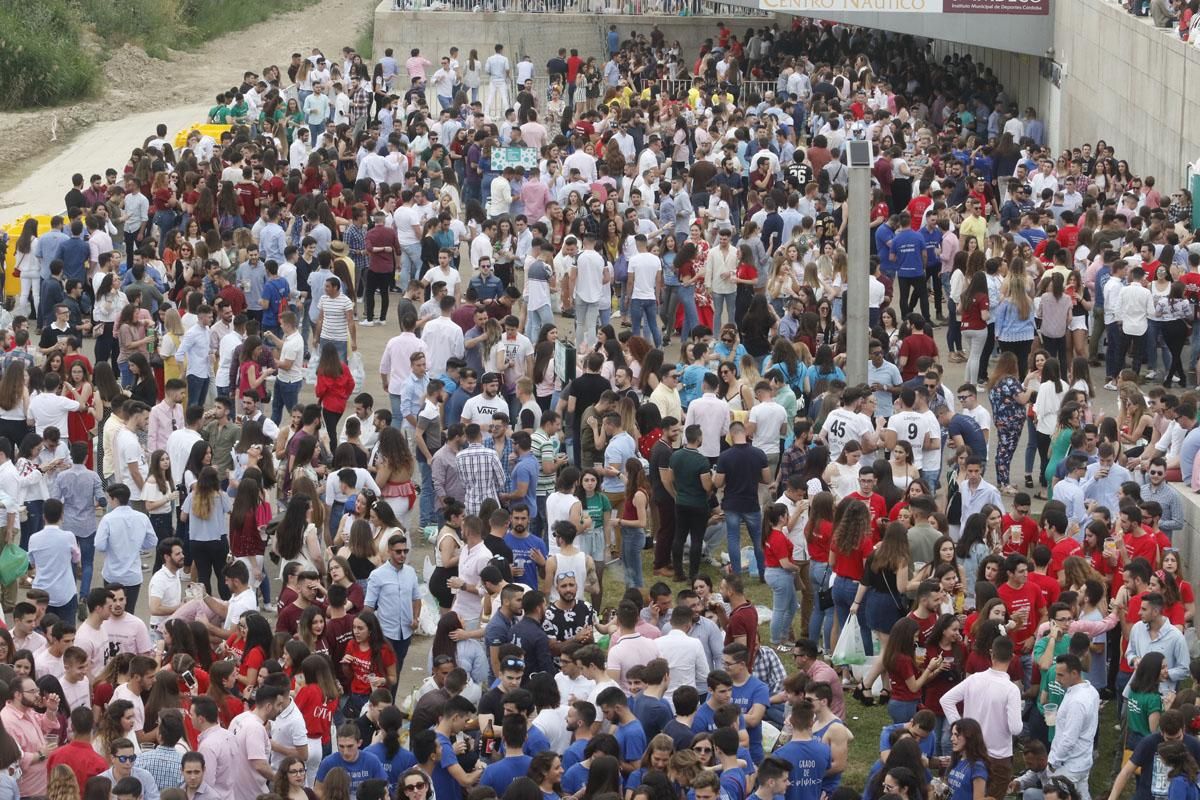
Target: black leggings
986, 355
377, 282
1021, 351
331, 420
1175, 332
209, 558
1043, 446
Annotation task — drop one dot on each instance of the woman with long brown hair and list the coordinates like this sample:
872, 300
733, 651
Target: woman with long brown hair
393, 468
132, 337
884, 582
852, 544
14, 402
334, 386
634, 520
546, 380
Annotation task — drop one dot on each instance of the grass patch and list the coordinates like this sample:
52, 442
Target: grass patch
208, 18
366, 39
41, 60
865, 722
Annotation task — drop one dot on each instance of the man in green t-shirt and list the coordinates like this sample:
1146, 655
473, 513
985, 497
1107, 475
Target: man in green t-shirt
689, 481
1046, 651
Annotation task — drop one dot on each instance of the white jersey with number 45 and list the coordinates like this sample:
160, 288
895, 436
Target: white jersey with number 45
843, 425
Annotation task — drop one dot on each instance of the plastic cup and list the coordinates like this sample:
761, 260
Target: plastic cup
52, 740
1050, 713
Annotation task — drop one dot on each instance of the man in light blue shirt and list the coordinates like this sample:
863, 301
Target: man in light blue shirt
53, 550
137, 214
1072, 493
621, 447
1187, 454
412, 393
122, 535
195, 350
252, 276
1105, 477
271, 239
394, 594
48, 245
1154, 634
81, 493
883, 377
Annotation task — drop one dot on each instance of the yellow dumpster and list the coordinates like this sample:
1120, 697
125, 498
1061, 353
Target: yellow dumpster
12, 284
206, 129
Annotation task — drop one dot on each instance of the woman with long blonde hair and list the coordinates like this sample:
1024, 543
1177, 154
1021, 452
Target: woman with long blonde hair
63, 784
172, 336
393, 467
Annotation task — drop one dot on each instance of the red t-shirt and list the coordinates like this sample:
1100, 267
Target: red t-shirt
233, 706
818, 544
317, 711
943, 681
1186, 595
361, 667
252, 660
1175, 614
1049, 587
81, 758
1027, 598
901, 669
978, 662
1132, 612
1145, 546
913, 347
972, 318
1061, 551
776, 548
878, 508
1029, 535
247, 195
916, 209
925, 626
850, 565
743, 621
236, 646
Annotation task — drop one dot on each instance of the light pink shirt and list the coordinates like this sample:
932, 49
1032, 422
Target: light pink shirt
160, 425
472, 559
29, 729
416, 66
395, 365
629, 652
128, 633
250, 734
219, 749
94, 642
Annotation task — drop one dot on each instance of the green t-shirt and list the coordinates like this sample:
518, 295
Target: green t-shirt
1050, 686
597, 506
1141, 706
218, 114
545, 448
688, 465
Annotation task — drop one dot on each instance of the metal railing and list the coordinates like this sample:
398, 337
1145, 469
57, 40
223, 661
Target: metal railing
651, 8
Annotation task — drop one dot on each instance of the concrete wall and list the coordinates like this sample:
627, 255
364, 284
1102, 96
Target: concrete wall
539, 35
1025, 34
1123, 81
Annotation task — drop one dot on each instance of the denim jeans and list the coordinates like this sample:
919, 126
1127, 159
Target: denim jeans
126, 375
586, 315
400, 648
931, 478
666, 309
733, 538
632, 541
646, 310
691, 318
410, 263
820, 625
783, 603
342, 348
844, 591
428, 512
66, 612
287, 395
87, 558
33, 521
535, 319
901, 710
727, 302
397, 415
197, 389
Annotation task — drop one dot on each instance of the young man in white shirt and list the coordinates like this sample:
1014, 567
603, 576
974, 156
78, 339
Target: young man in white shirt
767, 425
166, 589
643, 288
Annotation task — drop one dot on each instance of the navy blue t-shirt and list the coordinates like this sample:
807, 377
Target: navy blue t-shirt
742, 466
971, 433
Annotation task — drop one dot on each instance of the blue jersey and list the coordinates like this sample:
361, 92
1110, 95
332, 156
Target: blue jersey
500, 774
809, 762
962, 777
751, 693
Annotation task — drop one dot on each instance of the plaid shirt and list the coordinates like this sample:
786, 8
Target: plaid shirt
355, 238
481, 473
165, 764
506, 455
792, 463
769, 669
360, 101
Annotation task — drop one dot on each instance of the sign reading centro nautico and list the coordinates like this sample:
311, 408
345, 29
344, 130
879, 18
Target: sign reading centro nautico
1015, 7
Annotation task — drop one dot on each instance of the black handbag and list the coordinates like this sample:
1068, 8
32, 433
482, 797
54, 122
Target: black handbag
825, 591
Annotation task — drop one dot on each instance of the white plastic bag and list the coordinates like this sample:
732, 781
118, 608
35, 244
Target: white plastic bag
849, 648
356, 370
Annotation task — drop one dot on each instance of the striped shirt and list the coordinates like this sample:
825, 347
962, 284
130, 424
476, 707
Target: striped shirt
545, 448
334, 327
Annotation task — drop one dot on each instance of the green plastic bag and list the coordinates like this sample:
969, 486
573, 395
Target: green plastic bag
14, 562
849, 648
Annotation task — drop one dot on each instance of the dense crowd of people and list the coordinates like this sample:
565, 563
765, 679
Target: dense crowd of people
540, 251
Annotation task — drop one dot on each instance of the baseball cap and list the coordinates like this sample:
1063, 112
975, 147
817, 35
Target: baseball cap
490, 377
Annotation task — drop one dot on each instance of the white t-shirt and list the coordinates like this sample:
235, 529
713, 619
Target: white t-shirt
139, 709
77, 695
229, 342
589, 274
570, 690
239, 604
50, 410
769, 417
292, 350
129, 451
644, 269
169, 591
913, 427
841, 426
405, 218
450, 277
480, 408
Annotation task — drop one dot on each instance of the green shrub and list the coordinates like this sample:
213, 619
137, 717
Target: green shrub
41, 62
152, 24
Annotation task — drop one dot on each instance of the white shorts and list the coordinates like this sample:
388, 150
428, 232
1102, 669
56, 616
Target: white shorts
1078, 323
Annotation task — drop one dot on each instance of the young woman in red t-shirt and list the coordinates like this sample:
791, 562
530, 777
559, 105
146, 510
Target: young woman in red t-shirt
222, 679
369, 662
1172, 566
255, 649
907, 680
945, 642
780, 573
852, 543
993, 617
973, 313
1165, 584
317, 700
818, 533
